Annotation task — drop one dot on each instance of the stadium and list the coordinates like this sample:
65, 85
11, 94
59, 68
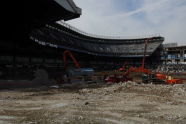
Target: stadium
44, 46
54, 73
91, 48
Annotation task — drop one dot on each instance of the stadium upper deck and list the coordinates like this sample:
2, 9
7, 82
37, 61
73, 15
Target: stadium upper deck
67, 37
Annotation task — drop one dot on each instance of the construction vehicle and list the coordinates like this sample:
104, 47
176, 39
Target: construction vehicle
147, 77
160, 78
72, 73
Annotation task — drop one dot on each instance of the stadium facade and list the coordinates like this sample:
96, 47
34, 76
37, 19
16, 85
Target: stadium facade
40, 41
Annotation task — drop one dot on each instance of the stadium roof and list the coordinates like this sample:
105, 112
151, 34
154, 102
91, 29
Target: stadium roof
18, 18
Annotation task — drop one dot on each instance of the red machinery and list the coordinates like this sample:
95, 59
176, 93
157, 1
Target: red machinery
73, 74
123, 67
117, 78
157, 76
65, 53
169, 79
125, 77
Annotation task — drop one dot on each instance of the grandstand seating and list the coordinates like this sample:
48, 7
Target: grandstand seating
66, 37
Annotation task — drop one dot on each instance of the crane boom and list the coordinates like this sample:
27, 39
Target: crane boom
145, 52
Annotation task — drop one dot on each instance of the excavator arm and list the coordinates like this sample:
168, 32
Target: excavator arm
139, 70
67, 52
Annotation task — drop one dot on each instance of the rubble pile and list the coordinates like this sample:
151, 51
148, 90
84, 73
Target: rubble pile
125, 102
162, 90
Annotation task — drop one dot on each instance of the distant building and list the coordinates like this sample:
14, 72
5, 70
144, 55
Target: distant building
174, 55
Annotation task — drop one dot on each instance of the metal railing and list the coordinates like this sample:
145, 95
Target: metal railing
63, 23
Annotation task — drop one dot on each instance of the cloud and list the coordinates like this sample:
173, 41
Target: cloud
130, 18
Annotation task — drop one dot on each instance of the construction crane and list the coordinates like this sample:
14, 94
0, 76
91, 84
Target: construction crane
145, 51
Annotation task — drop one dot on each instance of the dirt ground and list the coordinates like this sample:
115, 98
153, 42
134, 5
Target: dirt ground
123, 103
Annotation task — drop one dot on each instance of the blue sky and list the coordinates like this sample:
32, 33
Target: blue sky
134, 18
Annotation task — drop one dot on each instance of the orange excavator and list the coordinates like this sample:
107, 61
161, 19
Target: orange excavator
148, 75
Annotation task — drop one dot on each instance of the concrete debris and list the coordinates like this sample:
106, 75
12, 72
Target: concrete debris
86, 103
177, 90
80, 118
127, 102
